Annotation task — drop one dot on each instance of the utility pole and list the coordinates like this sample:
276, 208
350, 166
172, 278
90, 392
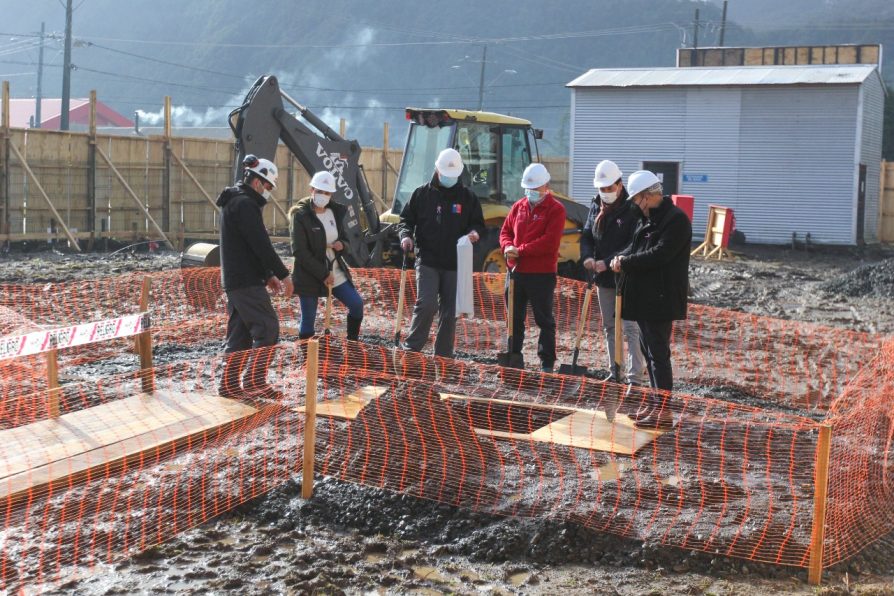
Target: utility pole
481, 79
66, 69
694, 30
39, 100
723, 23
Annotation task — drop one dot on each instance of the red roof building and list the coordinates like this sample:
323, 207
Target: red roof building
21, 112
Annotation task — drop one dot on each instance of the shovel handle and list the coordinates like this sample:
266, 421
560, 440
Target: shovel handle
328, 316
619, 341
400, 300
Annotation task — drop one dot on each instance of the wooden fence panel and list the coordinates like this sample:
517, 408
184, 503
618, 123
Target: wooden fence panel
60, 160
886, 204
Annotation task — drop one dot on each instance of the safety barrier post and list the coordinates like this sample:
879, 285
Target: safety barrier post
53, 392
310, 418
815, 569
144, 342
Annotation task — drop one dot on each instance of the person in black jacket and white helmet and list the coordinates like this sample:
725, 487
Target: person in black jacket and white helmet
655, 286
248, 263
608, 231
433, 220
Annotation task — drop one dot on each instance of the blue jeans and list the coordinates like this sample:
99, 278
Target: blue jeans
344, 293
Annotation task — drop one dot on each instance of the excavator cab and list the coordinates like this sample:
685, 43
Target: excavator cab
495, 149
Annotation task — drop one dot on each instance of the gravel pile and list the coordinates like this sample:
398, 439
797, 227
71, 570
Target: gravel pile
874, 280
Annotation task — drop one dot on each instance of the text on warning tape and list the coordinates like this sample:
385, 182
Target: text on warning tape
76, 335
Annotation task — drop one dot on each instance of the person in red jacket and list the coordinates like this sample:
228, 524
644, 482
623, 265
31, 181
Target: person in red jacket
530, 240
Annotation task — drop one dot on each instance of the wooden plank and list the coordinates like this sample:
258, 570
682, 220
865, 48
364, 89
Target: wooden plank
588, 430
310, 418
44, 452
349, 407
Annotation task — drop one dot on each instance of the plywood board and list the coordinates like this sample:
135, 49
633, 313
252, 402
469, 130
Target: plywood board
349, 407
44, 452
586, 429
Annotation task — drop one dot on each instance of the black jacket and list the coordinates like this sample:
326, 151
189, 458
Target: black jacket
247, 257
436, 217
617, 232
655, 281
309, 247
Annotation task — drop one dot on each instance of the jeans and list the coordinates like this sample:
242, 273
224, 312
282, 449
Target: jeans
344, 293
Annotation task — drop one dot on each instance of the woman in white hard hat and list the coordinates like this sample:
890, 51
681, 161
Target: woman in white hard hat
530, 238
608, 231
318, 242
655, 286
437, 215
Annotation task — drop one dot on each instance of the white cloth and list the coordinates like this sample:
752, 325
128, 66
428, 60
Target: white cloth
327, 218
465, 297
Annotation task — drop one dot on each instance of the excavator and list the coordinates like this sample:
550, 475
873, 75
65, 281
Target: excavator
495, 149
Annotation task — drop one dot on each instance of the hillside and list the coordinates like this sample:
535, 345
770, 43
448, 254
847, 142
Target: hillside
366, 61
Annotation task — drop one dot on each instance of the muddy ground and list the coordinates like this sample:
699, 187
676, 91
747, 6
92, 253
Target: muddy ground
355, 539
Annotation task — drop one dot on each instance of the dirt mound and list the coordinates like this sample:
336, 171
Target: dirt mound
874, 280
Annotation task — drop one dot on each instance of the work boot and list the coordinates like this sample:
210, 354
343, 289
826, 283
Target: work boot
547, 368
254, 381
659, 419
614, 376
353, 333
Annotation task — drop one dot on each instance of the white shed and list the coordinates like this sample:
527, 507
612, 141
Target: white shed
792, 149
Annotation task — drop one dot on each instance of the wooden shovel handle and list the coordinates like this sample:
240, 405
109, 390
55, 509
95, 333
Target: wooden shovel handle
619, 335
328, 316
584, 311
400, 300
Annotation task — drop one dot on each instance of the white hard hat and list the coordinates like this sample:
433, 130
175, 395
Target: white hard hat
607, 173
323, 181
535, 176
262, 168
640, 181
449, 163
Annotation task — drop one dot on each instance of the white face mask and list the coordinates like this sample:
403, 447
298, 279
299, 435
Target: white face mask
608, 197
320, 200
533, 196
266, 194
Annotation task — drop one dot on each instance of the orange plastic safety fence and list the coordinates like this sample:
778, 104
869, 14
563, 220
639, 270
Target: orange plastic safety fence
735, 475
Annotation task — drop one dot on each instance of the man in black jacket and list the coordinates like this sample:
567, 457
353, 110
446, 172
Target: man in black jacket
655, 285
248, 263
433, 220
608, 231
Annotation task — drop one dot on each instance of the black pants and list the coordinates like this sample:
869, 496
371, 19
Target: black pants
252, 323
654, 339
536, 289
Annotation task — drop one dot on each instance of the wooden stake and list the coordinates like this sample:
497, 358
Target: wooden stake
310, 418
92, 128
823, 447
144, 342
53, 383
134, 196
195, 181
385, 144
27, 168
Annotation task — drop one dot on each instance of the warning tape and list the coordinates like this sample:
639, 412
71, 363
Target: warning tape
75, 335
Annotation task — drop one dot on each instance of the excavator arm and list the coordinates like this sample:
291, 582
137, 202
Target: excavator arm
262, 121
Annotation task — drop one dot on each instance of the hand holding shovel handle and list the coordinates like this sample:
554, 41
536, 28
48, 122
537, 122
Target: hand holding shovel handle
619, 335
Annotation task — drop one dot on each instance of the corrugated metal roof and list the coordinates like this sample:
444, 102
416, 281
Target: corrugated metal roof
724, 76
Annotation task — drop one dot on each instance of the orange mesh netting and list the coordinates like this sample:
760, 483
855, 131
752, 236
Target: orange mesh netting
736, 475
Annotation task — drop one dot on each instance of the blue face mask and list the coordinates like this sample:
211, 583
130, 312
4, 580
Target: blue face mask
533, 196
447, 181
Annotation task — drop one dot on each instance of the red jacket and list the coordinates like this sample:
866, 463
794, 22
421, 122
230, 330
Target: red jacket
536, 233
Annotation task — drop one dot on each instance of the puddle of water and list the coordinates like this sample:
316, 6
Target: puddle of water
429, 574
517, 579
469, 576
375, 557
